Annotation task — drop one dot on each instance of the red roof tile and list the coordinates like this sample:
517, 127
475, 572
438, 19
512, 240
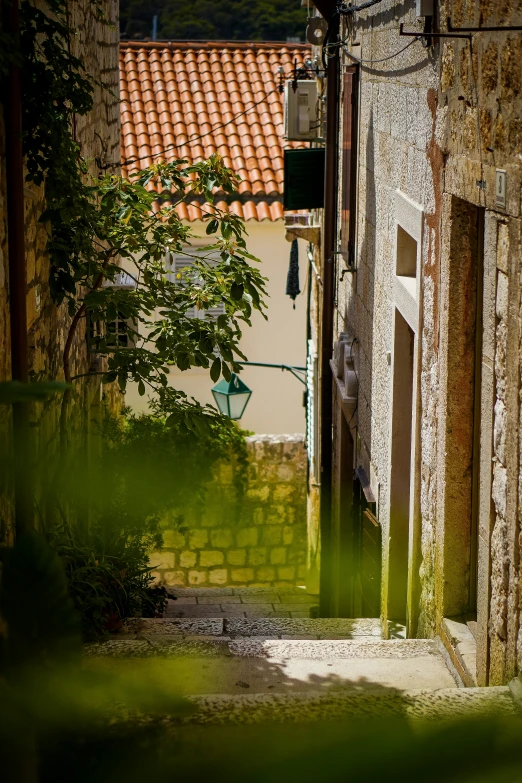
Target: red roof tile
172, 94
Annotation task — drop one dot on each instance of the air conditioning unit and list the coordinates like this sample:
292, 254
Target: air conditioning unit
301, 123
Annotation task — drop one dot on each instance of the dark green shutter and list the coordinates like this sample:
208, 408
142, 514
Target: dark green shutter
304, 179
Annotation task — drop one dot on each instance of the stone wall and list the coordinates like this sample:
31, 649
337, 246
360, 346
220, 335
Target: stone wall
435, 125
98, 135
257, 539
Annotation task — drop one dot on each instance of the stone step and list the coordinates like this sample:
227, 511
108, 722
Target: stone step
271, 627
281, 650
218, 665
447, 703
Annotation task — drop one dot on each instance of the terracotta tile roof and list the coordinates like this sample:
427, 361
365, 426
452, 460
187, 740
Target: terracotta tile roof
183, 99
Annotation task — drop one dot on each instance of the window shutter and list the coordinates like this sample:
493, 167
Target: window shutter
176, 263
349, 164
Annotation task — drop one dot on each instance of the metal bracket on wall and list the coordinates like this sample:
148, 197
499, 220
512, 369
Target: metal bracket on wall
452, 29
430, 35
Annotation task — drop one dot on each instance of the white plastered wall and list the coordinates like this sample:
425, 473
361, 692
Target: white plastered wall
276, 404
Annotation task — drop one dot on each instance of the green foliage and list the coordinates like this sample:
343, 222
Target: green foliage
149, 465
36, 606
165, 331
159, 462
93, 223
235, 20
108, 574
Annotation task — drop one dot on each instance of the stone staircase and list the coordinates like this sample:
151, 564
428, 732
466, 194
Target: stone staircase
237, 666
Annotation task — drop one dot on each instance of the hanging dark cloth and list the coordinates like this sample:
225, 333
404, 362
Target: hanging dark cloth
292, 280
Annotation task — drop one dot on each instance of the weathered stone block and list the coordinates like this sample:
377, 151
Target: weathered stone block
257, 556
174, 578
271, 536
173, 539
265, 574
236, 556
288, 535
162, 559
258, 493
278, 556
248, 536
198, 539
258, 516
211, 557
223, 538
287, 572
187, 559
197, 577
218, 576
242, 574
285, 473
282, 493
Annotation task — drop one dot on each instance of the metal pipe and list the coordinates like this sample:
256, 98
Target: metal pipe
329, 247
17, 275
289, 367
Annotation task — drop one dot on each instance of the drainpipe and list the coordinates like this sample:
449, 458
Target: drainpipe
17, 275
329, 247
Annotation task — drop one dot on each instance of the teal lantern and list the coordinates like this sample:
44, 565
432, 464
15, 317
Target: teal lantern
232, 396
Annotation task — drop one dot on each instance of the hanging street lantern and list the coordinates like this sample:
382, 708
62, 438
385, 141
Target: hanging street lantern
232, 397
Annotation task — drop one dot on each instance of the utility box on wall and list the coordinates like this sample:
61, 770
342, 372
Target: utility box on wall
301, 122
304, 179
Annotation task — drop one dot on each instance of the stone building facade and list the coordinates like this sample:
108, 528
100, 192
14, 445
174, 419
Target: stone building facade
98, 134
426, 354
251, 535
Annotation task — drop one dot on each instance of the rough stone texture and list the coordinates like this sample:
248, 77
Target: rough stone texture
436, 127
262, 627
98, 135
257, 539
432, 705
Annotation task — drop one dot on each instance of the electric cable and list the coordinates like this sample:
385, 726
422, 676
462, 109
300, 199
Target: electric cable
197, 138
352, 9
381, 59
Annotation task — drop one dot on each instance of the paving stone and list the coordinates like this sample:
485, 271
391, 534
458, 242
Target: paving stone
272, 626
142, 625
325, 628
260, 598
213, 600
299, 598
182, 600
281, 589
312, 707
329, 649
199, 591
213, 610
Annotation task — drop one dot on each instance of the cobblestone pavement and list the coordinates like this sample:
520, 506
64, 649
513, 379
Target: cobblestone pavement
249, 655
241, 602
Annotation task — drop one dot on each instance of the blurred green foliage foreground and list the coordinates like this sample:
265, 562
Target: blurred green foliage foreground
61, 720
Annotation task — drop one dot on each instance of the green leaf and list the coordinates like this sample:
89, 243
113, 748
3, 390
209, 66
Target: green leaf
212, 226
236, 291
215, 370
141, 388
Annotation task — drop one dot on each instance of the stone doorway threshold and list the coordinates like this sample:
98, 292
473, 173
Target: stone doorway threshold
457, 635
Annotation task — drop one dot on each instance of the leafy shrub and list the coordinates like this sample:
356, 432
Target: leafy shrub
149, 464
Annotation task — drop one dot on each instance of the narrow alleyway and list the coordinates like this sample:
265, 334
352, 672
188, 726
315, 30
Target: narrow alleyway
244, 655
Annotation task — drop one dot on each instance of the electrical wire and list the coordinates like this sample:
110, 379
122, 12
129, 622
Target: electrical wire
352, 9
197, 138
381, 59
